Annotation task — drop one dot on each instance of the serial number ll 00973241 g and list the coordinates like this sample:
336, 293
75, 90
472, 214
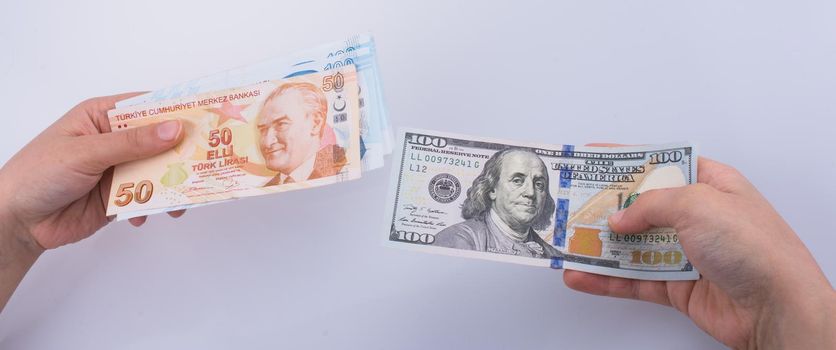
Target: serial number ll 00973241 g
644, 238
432, 158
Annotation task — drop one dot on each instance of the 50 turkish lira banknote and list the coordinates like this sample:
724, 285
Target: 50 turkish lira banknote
536, 204
273, 136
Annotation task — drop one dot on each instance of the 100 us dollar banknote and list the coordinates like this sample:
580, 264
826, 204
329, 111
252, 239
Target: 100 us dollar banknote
535, 204
264, 138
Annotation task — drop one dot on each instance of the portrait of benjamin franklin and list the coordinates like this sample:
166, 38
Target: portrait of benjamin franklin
507, 202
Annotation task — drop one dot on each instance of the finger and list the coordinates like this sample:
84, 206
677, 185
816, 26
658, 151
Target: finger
138, 221
723, 177
652, 291
667, 207
177, 213
708, 170
97, 108
99, 152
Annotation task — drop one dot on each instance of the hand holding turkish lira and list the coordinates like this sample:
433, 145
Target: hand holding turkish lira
760, 287
54, 189
59, 182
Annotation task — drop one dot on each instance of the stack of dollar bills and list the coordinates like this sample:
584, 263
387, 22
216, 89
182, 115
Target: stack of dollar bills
306, 119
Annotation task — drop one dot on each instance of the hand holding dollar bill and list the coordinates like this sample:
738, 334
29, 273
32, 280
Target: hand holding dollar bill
534, 204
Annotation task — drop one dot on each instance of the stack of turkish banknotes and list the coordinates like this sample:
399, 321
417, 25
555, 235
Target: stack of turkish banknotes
311, 118
317, 117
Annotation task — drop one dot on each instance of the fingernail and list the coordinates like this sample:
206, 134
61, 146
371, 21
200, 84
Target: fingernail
168, 131
615, 218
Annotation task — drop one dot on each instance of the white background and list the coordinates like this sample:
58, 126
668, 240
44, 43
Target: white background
752, 82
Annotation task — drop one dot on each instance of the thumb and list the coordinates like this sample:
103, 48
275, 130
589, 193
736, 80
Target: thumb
106, 150
659, 208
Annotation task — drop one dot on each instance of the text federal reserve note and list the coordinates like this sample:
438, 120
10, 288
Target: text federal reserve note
535, 204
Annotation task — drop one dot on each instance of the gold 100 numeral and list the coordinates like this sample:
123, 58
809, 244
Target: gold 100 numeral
654, 257
126, 193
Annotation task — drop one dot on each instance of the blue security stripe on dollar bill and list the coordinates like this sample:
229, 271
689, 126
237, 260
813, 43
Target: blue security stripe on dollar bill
566, 174
560, 220
562, 210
